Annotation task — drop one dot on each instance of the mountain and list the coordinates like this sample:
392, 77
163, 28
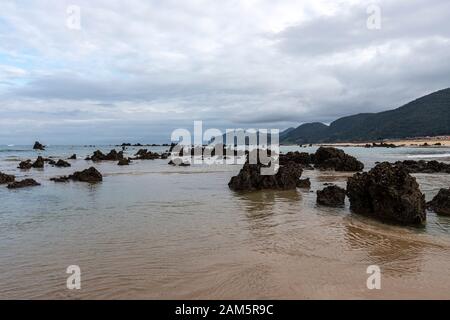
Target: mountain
426, 116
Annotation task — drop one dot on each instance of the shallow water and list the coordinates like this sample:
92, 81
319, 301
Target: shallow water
151, 230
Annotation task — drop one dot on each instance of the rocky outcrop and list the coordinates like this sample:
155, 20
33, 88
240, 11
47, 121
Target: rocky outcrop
423, 166
38, 146
331, 158
389, 193
302, 158
144, 154
113, 155
6, 178
304, 183
39, 163
89, 175
62, 164
23, 184
25, 165
331, 196
441, 202
250, 178
124, 162
73, 157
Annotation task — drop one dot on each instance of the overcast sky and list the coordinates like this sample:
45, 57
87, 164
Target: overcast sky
137, 69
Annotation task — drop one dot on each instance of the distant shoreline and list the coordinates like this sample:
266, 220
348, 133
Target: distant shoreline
422, 142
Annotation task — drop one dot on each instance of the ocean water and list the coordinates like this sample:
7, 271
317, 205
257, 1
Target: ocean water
150, 230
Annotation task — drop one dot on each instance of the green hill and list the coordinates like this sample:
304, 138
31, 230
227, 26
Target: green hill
426, 116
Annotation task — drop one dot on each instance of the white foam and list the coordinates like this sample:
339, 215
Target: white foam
443, 155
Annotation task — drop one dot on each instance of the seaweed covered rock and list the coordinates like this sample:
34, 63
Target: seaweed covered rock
144, 154
23, 184
250, 178
113, 155
6, 178
387, 192
441, 202
331, 196
331, 158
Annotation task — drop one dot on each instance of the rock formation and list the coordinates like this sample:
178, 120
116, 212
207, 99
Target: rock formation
441, 202
331, 196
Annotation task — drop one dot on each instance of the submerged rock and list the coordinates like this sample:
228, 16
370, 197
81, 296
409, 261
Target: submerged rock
23, 184
62, 164
331, 158
331, 196
387, 192
89, 175
144, 154
25, 165
250, 178
304, 183
38, 146
6, 178
423, 166
441, 202
124, 162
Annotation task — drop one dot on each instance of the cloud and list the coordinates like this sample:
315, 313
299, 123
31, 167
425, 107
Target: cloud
142, 68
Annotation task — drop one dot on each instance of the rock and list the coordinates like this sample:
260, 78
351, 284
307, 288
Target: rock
23, 184
6, 178
423, 166
38, 146
387, 192
304, 183
124, 162
73, 157
143, 154
331, 196
331, 158
441, 202
60, 179
25, 165
39, 163
165, 155
113, 155
88, 175
250, 178
62, 164
303, 158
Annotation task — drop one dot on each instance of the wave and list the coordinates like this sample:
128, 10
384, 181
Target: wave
442, 155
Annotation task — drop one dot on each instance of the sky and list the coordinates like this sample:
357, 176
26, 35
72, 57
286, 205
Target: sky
135, 70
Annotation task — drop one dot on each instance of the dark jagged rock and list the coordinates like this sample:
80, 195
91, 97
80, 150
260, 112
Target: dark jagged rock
23, 184
124, 162
62, 164
6, 178
39, 163
144, 154
25, 165
387, 192
423, 166
304, 183
250, 178
331, 196
88, 175
381, 145
73, 157
303, 158
331, 158
441, 202
113, 155
38, 146
165, 156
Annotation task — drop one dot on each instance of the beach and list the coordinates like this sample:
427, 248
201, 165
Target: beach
154, 231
